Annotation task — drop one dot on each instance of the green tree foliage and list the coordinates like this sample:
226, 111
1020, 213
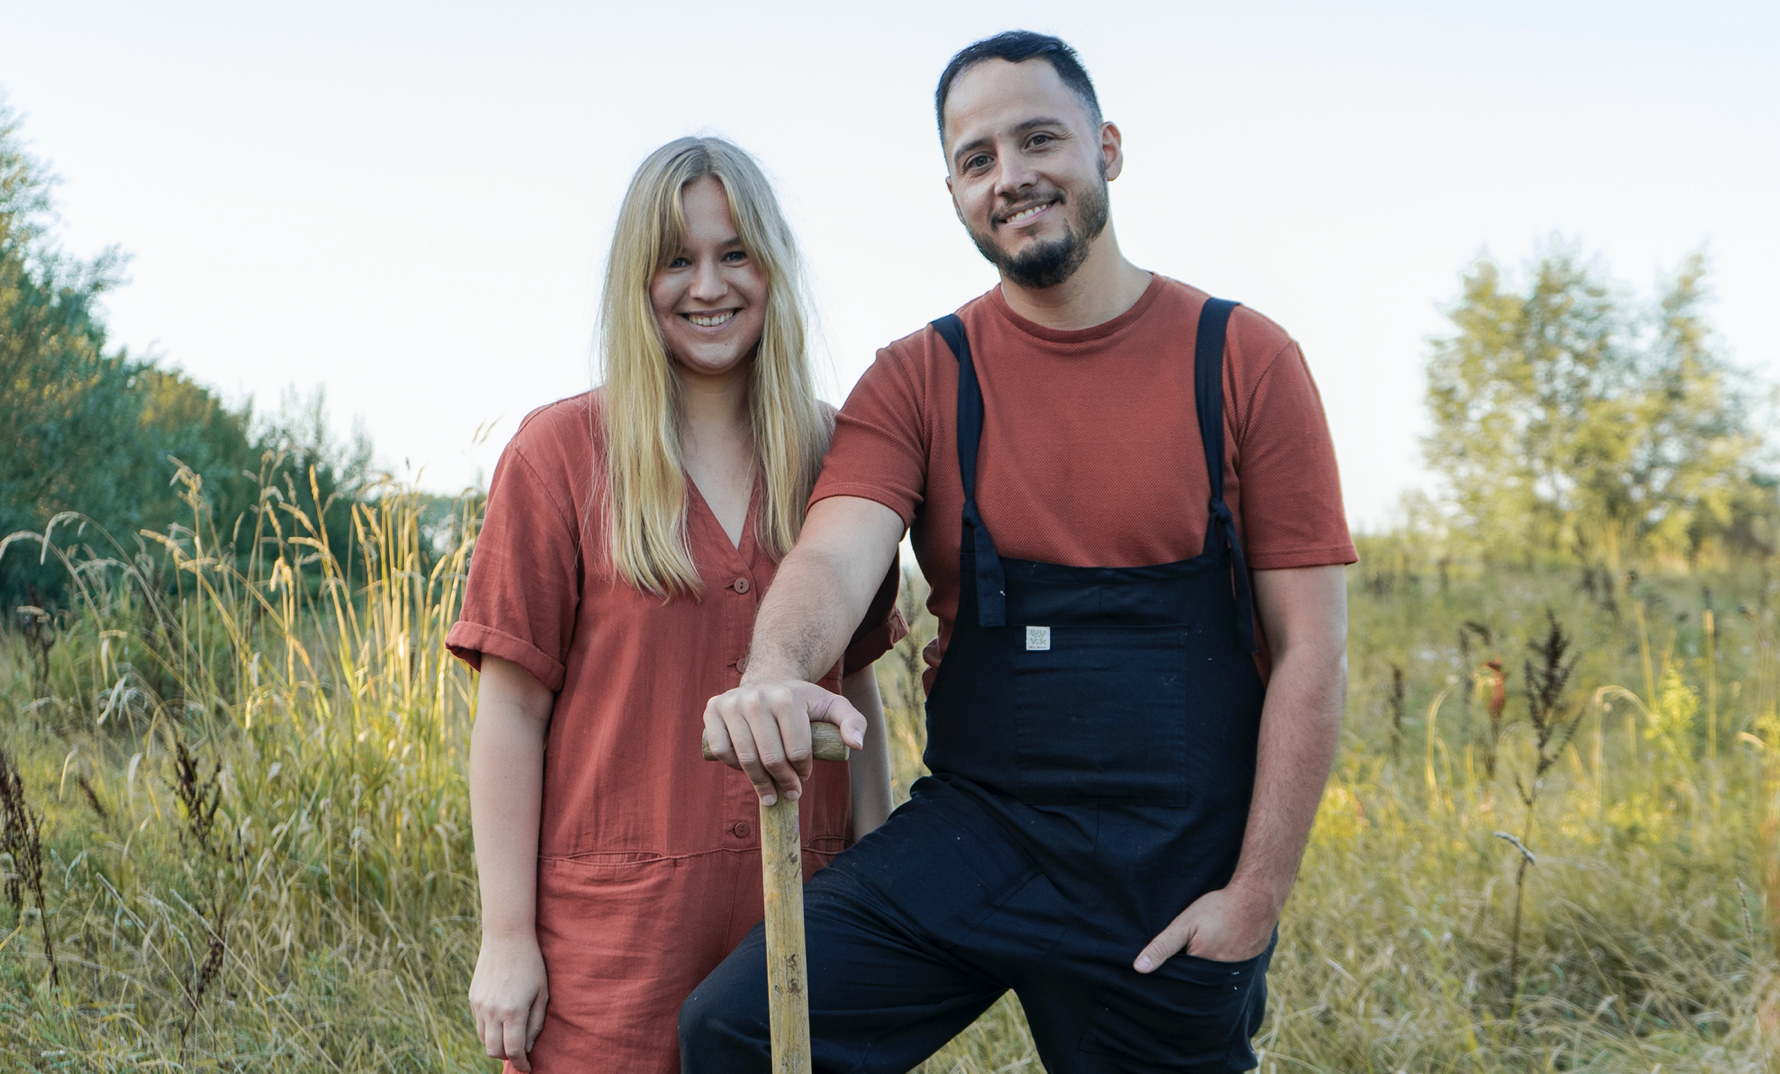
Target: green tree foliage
68, 404
93, 430
1569, 417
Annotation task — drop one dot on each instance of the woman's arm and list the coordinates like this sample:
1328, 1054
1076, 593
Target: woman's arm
869, 769
508, 992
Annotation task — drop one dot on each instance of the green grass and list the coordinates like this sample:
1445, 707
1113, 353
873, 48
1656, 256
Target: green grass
299, 892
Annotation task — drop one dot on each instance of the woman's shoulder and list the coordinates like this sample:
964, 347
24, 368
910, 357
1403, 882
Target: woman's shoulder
555, 442
567, 423
567, 430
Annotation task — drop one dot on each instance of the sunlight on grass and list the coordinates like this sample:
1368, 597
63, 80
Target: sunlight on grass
255, 850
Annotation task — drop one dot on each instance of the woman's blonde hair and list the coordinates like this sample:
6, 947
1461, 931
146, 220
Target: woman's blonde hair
645, 488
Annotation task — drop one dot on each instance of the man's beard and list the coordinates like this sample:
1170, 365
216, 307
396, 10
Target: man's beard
1049, 263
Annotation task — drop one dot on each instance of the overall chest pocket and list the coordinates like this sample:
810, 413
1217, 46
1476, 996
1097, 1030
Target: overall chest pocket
1101, 714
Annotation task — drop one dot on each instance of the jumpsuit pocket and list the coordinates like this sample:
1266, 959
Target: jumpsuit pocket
1100, 715
1191, 1014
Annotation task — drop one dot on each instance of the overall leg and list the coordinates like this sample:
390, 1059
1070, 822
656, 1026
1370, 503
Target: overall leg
1090, 1011
889, 981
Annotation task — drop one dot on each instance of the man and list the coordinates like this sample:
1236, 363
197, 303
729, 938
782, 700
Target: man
1125, 767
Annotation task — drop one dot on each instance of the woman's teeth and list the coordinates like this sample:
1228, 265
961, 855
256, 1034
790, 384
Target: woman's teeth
710, 320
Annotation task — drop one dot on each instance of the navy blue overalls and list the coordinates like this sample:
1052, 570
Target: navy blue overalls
1092, 735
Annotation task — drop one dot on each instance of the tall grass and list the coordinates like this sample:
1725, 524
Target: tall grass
256, 830
255, 845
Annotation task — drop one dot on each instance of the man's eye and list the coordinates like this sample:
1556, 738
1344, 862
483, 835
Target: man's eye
978, 161
1040, 139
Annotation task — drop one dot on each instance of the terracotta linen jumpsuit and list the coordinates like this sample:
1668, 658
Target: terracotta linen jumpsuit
648, 857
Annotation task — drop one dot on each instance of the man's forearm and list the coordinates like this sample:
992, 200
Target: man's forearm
1300, 728
822, 590
805, 621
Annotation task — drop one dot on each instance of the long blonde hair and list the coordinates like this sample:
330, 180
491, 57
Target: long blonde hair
645, 488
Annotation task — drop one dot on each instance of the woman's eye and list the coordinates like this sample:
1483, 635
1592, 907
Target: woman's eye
734, 256
678, 262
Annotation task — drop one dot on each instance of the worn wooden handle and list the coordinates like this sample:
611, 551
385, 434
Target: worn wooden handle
788, 998
781, 869
825, 738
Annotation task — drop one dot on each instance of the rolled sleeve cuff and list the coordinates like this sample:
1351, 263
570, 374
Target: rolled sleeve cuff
470, 642
866, 648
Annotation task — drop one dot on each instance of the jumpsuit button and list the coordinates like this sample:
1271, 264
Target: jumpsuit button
741, 829
741, 585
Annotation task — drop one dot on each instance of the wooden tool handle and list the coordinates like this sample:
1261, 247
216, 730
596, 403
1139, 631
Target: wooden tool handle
825, 738
788, 999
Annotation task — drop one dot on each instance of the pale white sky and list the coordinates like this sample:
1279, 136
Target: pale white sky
409, 203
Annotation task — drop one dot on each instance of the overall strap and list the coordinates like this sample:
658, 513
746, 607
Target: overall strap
1208, 393
990, 580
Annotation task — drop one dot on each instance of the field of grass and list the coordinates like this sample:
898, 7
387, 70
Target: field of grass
235, 828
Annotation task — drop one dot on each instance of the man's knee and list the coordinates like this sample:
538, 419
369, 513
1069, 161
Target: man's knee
723, 1024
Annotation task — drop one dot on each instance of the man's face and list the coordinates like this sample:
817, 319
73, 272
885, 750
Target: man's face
1027, 169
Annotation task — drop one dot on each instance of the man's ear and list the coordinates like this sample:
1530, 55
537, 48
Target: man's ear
1112, 150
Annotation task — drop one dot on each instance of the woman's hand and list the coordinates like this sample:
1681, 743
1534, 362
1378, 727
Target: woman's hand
508, 995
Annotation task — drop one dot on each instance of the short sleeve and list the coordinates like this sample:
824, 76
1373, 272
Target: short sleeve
525, 576
882, 627
879, 451
1292, 514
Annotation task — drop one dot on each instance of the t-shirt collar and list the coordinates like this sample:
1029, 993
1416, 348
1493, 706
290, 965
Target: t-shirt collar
998, 302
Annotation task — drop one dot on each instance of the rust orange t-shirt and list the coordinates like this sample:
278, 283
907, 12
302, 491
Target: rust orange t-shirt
1090, 452
648, 856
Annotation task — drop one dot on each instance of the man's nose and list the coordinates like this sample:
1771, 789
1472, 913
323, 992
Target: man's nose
1015, 177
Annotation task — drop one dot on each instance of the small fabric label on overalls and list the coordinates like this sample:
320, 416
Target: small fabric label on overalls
1038, 638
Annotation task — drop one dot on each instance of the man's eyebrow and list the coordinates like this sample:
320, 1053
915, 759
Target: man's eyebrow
968, 148
1019, 128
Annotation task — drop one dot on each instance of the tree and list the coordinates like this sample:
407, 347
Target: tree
93, 430
1567, 417
67, 402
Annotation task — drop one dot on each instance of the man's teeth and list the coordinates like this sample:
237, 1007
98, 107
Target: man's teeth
1024, 213
710, 320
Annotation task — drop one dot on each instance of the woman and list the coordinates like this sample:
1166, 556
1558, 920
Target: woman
629, 537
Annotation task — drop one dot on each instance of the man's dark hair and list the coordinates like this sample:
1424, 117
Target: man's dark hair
1017, 46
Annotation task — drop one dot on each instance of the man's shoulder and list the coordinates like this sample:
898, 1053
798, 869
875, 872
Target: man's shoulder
924, 343
1253, 337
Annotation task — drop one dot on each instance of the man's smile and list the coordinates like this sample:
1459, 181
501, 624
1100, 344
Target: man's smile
1022, 217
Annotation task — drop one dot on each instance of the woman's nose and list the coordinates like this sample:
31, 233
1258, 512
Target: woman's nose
707, 283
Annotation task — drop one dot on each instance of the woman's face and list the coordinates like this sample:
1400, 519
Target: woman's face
710, 300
